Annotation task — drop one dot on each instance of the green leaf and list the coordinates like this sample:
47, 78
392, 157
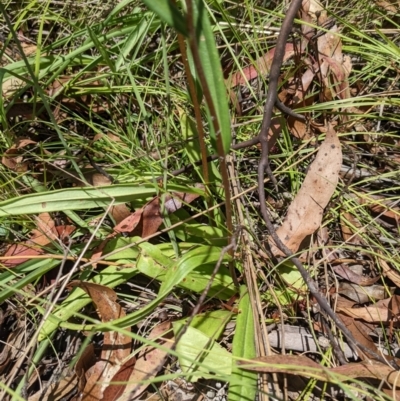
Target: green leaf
212, 323
116, 243
35, 270
244, 383
80, 198
192, 148
193, 259
169, 13
211, 64
102, 50
151, 255
291, 275
135, 37
200, 233
197, 277
200, 356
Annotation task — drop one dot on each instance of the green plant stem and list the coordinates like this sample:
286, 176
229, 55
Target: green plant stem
215, 121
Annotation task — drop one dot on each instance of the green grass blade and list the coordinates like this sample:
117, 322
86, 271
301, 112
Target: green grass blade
211, 64
169, 13
244, 383
41, 268
102, 50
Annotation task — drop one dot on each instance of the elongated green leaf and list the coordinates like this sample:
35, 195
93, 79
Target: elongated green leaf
103, 51
199, 355
168, 12
196, 279
79, 198
192, 148
131, 253
135, 37
209, 56
110, 277
198, 257
36, 270
211, 64
211, 323
244, 383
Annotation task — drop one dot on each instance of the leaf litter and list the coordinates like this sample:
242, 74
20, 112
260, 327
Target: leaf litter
117, 367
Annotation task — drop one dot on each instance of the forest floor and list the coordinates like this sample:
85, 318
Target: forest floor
147, 252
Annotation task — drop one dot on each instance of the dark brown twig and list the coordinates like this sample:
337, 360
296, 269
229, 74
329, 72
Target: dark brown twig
272, 92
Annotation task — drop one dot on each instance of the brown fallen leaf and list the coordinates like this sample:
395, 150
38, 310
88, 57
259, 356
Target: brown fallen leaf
380, 312
395, 394
389, 272
389, 6
116, 346
147, 220
149, 361
86, 360
13, 157
360, 332
304, 215
360, 294
351, 228
114, 391
13, 347
379, 205
57, 390
346, 273
11, 85
300, 129
261, 66
40, 237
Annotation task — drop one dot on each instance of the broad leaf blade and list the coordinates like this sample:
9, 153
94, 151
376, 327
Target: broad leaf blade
79, 198
199, 355
244, 384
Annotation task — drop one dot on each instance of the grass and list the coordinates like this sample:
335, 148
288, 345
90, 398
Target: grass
103, 84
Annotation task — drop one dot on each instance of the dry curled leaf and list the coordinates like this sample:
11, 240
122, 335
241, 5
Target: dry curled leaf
116, 346
358, 329
389, 272
147, 220
13, 157
304, 215
384, 311
360, 294
348, 274
42, 236
261, 66
149, 361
